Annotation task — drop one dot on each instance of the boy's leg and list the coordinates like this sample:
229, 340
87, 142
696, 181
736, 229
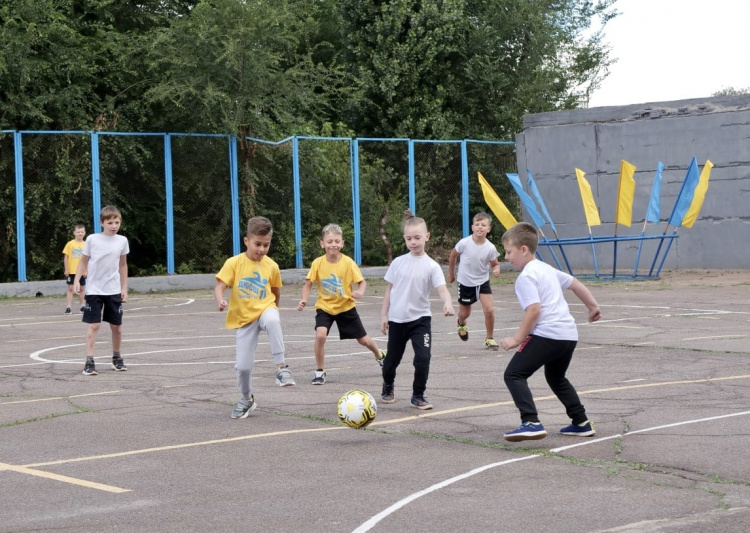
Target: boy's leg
420, 333
397, 339
68, 298
489, 314
554, 372
246, 341
270, 322
529, 358
321, 334
370, 344
91, 333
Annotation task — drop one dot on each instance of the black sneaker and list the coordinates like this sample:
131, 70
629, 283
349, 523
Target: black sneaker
90, 368
387, 395
83, 308
118, 364
319, 378
67, 310
420, 402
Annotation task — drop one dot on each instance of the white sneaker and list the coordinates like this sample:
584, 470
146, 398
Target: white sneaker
320, 377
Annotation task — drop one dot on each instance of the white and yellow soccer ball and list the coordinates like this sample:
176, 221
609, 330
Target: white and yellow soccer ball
357, 408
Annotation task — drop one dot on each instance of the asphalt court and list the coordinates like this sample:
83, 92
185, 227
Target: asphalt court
664, 375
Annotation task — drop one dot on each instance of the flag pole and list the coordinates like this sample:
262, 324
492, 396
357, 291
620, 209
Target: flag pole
638, 253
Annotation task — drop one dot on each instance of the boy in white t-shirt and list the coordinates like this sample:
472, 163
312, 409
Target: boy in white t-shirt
406, 314
477, 255
546, 337
105, 259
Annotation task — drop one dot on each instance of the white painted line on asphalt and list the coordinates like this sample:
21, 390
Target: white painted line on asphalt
367, 526
64, 479
61, 397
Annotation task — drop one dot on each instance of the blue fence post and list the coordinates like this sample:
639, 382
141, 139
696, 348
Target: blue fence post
297, 202
465, 188
354, 163
20, 213
170, 202
96, 189
412, 182
234, 188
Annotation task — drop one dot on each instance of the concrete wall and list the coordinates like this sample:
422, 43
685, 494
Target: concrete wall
595, 140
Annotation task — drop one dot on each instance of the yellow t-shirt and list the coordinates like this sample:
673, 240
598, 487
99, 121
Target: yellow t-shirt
251, 283
334, 282
74, 251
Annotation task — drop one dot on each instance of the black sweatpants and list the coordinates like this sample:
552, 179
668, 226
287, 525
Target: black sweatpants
419, 332
554, 355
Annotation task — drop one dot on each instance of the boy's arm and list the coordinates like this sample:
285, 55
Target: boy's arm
124, 277
65, 264
584, 294
82, 266
276, 291
219, 289
360, 292
495, 265
530, 318
305, 295
384, 309
445, 295
451, 276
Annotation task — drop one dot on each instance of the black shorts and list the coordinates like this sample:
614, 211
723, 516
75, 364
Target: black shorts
70, 280
349, 323
469, 295
109, 306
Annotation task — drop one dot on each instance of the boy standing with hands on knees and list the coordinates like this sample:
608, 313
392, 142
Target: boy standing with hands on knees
546, 337
477, 255
255, 279
335, 273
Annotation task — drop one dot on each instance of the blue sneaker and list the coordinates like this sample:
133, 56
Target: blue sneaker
526, 431
579, 430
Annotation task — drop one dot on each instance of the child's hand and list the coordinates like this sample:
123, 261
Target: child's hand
595, 314
76, 287
448, 309
508, 343
222, 304
124, 296
384, 325
357, 294
301, 305
496, 271
450, 277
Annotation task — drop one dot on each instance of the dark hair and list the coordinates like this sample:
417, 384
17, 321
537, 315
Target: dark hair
79, 226
259, 226
522, 234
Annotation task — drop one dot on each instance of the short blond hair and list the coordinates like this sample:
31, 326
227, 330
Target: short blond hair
108, 212
522, 234
332, 228
411, 220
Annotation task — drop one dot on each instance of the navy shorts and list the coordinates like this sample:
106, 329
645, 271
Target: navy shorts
349, 323
100, 308
70, 280
469, 295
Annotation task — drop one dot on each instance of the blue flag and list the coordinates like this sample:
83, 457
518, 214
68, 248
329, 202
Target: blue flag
535, 191
685, 198
526, 200
654, 204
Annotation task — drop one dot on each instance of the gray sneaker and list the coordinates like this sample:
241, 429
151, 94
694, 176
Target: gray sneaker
284, 377
244, 407
320, 377
420, 402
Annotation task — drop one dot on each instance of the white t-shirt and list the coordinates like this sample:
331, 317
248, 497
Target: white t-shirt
104, 253
412, 277
474, 263
540, 283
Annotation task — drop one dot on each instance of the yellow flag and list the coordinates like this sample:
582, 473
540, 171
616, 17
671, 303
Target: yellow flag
625, 193
698, 196
589, 206
497, 206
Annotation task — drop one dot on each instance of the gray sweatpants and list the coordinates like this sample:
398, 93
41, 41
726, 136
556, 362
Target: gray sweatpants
247, 342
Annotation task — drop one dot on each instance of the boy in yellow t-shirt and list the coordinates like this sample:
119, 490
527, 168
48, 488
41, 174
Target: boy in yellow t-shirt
335, 274
253, 306
72, 254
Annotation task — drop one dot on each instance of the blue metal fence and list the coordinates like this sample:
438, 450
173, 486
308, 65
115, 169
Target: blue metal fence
430, 177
